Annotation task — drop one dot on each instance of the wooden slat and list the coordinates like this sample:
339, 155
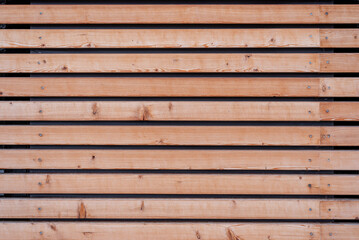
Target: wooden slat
339, 13
177, 111
179, 135
165, 62
339, 87
179, 38
339, 62
164, 231
338, 231
159, 38
339, 111
178, 208
185, 87
180, 184
160, 208
339, 209
208, 62
169, 135
339, 136
339, 38
144, 14
171, 111
198, 87
179, 159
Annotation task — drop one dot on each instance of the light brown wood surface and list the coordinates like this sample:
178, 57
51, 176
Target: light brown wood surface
338, 231
147, 208
339, 38
179, 38
161, 231
177, 111
165, 62
179, 159
180, 184
160, 38
185, 86
143, 14
172, 135
175, 86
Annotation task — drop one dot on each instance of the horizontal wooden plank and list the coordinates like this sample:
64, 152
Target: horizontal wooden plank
166, 62
339, 87
179, 135
339, 136
147, 14
159, 38
339, 209
160, 208
339, 62
179, 38
176, 231
177, 111
179, 184
182, 87
338, 231
339, 13
173, 111
178, 208
179, 159
339, 111
339, 38
169, 135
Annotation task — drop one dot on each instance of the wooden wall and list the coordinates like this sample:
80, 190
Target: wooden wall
216, 120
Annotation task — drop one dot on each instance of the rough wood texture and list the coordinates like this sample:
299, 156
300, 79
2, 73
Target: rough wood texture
172, 135
338, 231
139, 14
339, 13
179, 159
339, 136
182, 87
161, 208
180, 184
162, 183
339, 38
159, 38
165, 62
172, 111
162, 231
339, 87
339, 62
178, 209
179, 38
177, 111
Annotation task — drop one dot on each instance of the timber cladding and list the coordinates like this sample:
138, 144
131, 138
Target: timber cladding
143, 120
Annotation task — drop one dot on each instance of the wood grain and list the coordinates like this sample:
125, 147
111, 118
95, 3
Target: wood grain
339, 62
162, 208
339, 38
152, 14
172, 111
345, 232
165, 62
168, 135
181, 87
161, 231
339, 136
159, 38
177, 111
179, 159
176, 184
